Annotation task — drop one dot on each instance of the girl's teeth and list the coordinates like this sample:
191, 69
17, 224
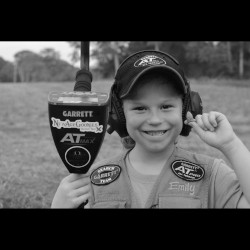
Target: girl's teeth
156, 133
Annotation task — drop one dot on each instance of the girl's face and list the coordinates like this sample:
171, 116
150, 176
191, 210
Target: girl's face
154, 117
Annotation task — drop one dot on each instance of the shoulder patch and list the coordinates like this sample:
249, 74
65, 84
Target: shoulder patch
105, 174
187, 170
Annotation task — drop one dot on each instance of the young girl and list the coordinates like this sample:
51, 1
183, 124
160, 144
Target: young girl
151, 100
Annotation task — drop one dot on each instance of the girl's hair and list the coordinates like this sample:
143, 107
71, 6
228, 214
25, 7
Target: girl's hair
157, 77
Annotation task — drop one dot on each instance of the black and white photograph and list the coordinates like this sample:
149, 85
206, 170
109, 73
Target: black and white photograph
124, 124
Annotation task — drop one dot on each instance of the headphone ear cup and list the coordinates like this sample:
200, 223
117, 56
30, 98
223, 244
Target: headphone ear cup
196, 104
117, 121
192, 102
186, 103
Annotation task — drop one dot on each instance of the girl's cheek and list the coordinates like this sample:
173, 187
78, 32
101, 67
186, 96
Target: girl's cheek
132, 119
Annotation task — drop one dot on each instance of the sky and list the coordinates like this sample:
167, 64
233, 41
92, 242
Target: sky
9, 49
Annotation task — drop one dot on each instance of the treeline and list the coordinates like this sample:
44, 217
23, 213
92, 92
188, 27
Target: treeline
32, 67
225, 59
221, 59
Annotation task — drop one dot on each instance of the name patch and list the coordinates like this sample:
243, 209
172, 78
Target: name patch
187, 170
105, 175
182, 187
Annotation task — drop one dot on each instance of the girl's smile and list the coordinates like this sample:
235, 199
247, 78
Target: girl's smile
155, 133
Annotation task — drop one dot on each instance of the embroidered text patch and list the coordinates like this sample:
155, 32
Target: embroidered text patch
105, 175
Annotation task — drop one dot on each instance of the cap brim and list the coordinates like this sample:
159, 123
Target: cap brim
164, 67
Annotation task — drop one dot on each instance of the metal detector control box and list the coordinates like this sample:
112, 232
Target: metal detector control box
78, 122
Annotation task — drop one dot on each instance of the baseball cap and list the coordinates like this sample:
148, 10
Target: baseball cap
141, 62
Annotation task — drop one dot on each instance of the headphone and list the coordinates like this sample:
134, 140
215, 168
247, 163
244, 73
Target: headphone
117, 122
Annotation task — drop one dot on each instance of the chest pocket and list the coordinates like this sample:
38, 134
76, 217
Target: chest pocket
109, 204
179, 201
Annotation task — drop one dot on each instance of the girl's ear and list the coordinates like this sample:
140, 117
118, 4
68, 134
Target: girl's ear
128, 142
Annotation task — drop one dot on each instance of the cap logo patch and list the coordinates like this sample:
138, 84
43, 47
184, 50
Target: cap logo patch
105, 175
187, 170
150, 60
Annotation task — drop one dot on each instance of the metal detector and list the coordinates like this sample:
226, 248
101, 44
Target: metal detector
78, 119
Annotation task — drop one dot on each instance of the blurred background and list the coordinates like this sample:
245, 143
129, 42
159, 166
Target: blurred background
30, 167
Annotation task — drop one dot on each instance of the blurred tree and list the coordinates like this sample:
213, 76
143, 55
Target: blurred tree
6, 69
75, 56
247, 59
156, 44
108, 55
229, 58
56, 69
50, 53
47, 66
241, 59
176, 49
209, 58
25, 63
135, 46
62, 71
240, 51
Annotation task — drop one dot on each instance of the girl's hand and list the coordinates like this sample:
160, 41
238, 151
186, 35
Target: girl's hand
73, 190
213, 128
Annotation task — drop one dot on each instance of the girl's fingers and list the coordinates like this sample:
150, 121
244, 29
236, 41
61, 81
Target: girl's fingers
200, 122
74, 177
84, 181
206, 122
81, 191
81, 199
189, 117
212, 119
197, 128
74, 181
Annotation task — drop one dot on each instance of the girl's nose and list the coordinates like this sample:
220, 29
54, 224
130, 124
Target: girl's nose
154, 118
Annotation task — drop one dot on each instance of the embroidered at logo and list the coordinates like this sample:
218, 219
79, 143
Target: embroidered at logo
105, 175
187, 170
150, 60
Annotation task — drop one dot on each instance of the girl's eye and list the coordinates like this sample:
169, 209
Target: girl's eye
139, 108
167, 106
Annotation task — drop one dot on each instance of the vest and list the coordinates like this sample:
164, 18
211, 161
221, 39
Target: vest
182, 183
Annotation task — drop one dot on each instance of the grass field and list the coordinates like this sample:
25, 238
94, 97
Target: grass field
30, 167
